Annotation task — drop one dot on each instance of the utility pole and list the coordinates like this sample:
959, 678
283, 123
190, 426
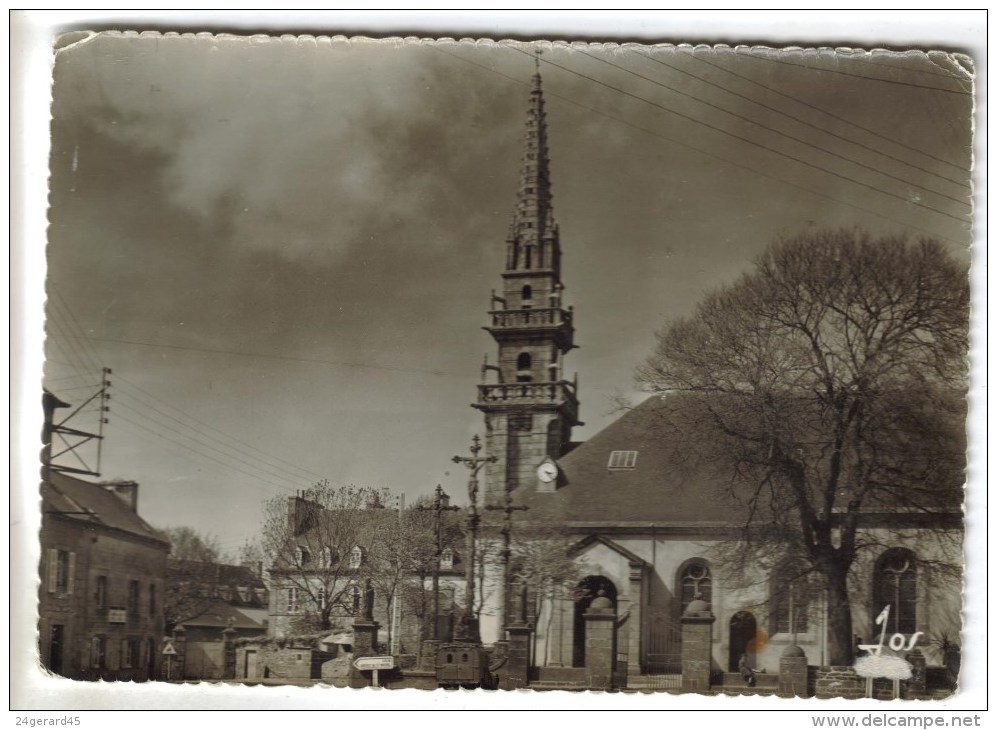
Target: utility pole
508, 508
72, 439
441, 504
474, 463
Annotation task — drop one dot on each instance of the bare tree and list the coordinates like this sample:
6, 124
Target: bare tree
545, 569
190, 573
827, 383
320, 547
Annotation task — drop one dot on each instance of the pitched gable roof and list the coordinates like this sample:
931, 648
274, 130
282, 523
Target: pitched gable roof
653, 490
92, 504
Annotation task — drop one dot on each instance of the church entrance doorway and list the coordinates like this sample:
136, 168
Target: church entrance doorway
743, 630
588, 589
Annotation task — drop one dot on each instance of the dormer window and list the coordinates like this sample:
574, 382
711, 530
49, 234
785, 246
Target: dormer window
446, 559
619, 460
304, 556
328, 557
356, 558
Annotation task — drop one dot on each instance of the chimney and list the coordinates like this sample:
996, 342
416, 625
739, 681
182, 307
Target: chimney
126, 491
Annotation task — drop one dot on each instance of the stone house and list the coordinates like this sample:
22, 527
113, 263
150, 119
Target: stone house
332, 571
102, 573
234, 606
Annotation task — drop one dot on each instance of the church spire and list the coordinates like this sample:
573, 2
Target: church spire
533, 236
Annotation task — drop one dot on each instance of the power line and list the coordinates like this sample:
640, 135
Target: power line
854, 75
800, 120
160, 437
250, 451
706, 153
85, 345
833, 115
760, 145
339, 363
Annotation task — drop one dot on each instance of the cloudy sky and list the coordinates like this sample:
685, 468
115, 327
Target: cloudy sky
284, 249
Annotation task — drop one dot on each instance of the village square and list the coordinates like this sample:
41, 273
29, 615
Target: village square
509, 366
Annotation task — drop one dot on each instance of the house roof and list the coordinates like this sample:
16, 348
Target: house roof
220, 614
93, 506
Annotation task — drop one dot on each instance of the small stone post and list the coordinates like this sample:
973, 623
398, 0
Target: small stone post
600, 642
697, 645
365, 630
916, 687
793, 672
228, 653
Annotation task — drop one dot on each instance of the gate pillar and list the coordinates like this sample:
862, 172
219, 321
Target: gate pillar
697, 645
600, 642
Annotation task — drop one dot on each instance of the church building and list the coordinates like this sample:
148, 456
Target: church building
647, 537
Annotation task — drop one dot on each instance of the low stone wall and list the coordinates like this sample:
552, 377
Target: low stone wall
839, 682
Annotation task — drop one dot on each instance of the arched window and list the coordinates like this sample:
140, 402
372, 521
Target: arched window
356, 558
695, 581
790, 599
895, 585
523, 364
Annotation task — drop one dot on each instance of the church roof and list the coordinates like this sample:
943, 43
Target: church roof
650, 491
633, 475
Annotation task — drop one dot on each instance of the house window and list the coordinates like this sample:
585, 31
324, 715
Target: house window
895, 585
61, 571
695, 582
356, 558
446, 559
622, 459
133, 592
355, 594
292, 600
304, 557
527, 292
101, 592
152, 599
790, 600
130, 649
98, 652
328, 557
321, 598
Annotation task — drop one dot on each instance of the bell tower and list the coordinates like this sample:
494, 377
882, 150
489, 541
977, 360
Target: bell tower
529, 406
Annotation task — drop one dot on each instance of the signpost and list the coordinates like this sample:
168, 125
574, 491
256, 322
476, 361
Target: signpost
169, 652
373, 664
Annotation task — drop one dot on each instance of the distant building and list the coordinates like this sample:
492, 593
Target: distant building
103, 570
235, 599
328, 569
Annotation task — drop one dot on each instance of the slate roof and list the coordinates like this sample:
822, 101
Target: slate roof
92, 505
653, 491
220, 614
663, 489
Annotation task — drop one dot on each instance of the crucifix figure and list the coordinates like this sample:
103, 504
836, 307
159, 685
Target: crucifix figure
474, 463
